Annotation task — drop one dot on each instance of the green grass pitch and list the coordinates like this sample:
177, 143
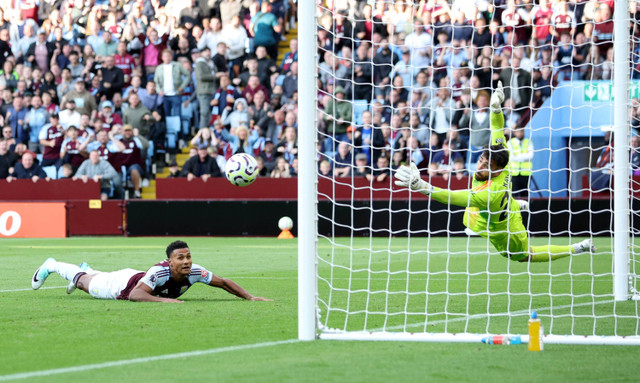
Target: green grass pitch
107, 341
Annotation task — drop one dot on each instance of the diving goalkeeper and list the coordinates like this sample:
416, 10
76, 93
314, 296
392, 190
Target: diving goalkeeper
491, 211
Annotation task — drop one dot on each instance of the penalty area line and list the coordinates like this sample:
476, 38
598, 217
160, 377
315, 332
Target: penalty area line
117, 363
30, 289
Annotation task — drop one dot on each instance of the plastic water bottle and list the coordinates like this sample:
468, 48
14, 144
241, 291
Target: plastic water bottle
502, 339
536, 331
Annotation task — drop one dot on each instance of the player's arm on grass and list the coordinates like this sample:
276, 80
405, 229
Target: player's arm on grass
143, 293
233, 288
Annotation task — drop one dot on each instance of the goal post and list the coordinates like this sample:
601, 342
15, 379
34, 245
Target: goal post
377, 262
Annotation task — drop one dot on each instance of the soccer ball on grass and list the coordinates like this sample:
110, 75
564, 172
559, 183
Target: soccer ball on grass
241, 169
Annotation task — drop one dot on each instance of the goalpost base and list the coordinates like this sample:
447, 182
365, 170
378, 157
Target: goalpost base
477, 338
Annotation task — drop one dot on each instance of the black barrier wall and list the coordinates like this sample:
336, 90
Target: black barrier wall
380, 218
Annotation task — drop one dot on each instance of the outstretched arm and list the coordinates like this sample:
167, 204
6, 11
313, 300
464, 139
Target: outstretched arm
142, 293
497, 118
233, 288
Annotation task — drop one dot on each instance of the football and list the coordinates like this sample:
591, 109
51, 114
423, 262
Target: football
285, 223
241, 169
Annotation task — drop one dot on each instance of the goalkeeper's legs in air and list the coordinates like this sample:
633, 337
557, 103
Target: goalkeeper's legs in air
550, 253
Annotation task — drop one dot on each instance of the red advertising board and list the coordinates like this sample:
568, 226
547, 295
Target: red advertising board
33, 220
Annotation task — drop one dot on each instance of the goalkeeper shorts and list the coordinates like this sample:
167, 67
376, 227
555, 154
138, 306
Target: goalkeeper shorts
513, 244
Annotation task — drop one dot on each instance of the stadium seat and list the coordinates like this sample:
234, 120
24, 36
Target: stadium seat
173, 129
359, 106
51, 171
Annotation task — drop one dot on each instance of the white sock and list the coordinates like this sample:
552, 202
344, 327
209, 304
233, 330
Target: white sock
66, 270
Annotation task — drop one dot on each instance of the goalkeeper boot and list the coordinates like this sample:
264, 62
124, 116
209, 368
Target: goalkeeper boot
42, 273
84, 266
584, 247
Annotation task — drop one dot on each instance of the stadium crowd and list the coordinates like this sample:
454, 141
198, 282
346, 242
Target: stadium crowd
136, 80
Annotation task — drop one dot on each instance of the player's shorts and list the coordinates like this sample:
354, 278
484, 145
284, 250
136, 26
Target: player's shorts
513, 244
109, 285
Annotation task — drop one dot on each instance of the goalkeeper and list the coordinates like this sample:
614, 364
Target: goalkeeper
491, 211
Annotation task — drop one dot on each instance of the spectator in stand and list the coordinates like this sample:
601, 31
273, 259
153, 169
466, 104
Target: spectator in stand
8, 159
477, 121
202, 165
124, 61
290, 83
174, 170
254, 86
204, 137
260, 112
520, 155
442, 109
325, 169
235, 36
171, 79
98, 170
73, 151
339, 114
206, 85
381, 171
112, 78
268, 156
7, 135
15, 118
40, 52
152, 51
149, 97
541, 20
22, 47
109, 119
276, 127
517, 83
109, 148
226, 94
28, 169
290, 57
236, 115
136, 115
252, 70
361, 169
108, 46
562, 21
131, 158
342, 160
442, 163
288, 146
239, 139
51, 137
66, 84
84, 100
266, 29
212, 36
69, 116
135, 87
282, 169
35, 119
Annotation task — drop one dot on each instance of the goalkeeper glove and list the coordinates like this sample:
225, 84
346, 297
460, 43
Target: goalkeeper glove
409, 177
497, 98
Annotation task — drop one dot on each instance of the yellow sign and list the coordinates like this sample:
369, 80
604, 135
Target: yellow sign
95, 204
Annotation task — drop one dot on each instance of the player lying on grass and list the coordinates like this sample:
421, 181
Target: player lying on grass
491, 211
164, 282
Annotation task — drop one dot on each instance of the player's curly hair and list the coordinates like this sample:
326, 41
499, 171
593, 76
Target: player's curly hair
497, 153
174, 246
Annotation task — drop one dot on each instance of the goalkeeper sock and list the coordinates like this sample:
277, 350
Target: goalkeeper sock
550, 252
66, 270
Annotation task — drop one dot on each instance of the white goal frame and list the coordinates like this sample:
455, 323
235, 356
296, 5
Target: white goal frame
308, 316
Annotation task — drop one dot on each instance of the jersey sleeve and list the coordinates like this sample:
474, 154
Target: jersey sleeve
497, 129
469, 197
153, 276
200, 274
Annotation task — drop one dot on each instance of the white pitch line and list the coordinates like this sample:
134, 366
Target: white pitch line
117, 363
482, 316
29, 289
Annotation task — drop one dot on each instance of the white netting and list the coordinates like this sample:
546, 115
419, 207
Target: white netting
409, 81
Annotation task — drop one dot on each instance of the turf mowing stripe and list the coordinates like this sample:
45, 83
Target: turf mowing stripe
482, 316
117, 363
29, 289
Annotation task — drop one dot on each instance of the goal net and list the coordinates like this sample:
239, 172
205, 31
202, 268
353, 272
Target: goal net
389, 83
